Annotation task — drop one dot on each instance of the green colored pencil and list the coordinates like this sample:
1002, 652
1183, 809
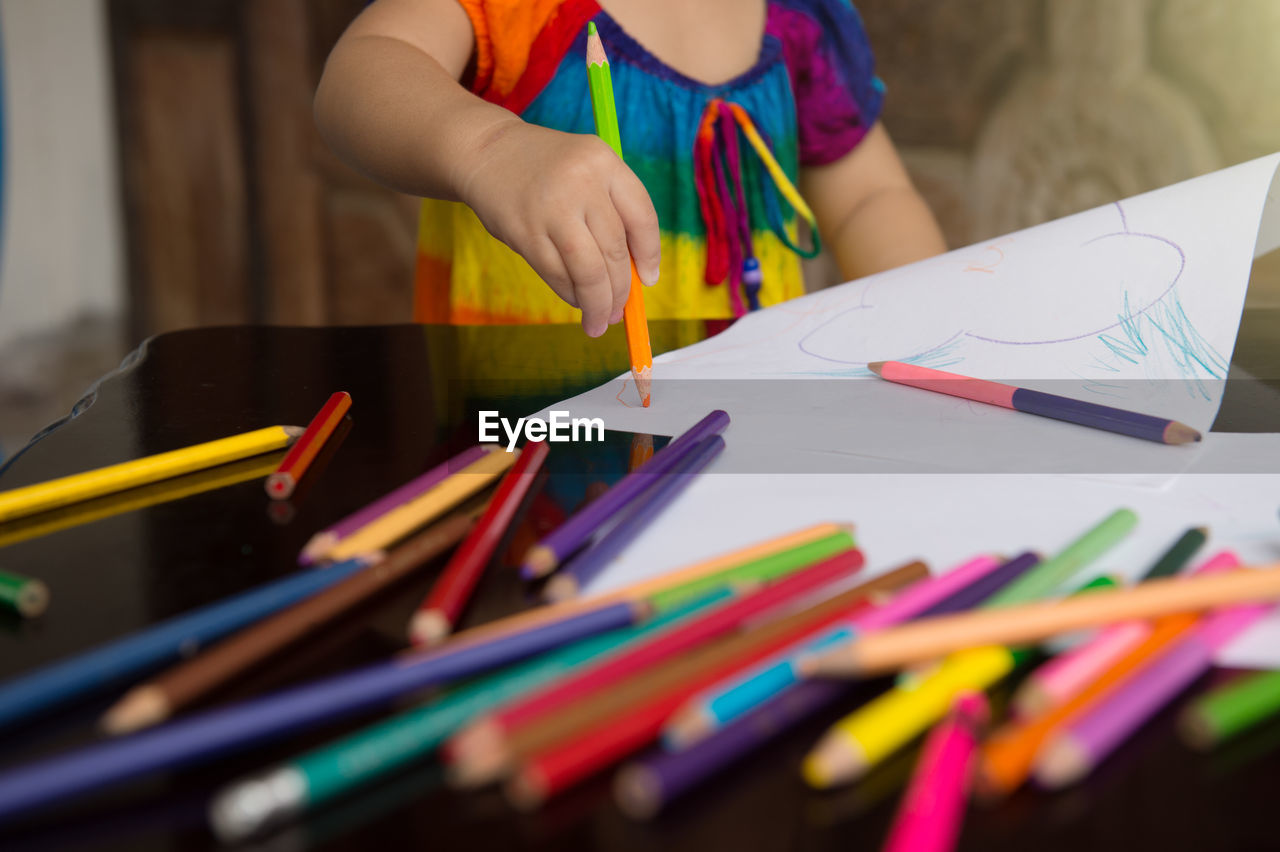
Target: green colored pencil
603, 108
26, 596
1179, 554
600, 81
248, 806
1048, 575
761, 570
1231, 710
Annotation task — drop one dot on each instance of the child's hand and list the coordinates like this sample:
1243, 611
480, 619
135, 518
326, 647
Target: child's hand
571, 208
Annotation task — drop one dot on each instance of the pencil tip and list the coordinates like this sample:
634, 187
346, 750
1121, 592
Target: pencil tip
560, 588
876, 367
591, 27
539, 561
429, 628
1181, 433
141, 708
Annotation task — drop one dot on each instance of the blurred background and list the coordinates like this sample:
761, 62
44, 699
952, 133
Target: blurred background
161, 169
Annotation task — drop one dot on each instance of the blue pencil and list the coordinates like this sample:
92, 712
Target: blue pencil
737, 698
589, 564
209, 735
116, 662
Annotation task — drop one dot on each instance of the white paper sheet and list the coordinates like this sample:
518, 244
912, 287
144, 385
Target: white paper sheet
948, 518
1135, 304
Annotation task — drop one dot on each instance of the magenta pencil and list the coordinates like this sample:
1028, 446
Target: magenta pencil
323, 541
932, 809
919, 597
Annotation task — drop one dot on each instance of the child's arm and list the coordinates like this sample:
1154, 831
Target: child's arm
389, 103
868, 211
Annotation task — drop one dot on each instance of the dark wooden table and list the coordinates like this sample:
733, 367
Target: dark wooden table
415, 392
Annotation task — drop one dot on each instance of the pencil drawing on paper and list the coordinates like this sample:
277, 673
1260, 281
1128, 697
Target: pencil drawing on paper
1125, 313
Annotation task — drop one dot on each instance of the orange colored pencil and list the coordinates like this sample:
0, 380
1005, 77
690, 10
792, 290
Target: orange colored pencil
443, 605
295, 463
605, 112
1008, 755
638, 347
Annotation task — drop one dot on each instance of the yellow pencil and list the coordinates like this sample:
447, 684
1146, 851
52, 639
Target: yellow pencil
402, 520
79, 487
867, 736
137, 498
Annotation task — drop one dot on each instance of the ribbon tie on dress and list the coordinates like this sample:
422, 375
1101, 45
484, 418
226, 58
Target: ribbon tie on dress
738, 185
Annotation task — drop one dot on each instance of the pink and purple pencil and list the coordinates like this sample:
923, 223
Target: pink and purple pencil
322, 542
1145, 426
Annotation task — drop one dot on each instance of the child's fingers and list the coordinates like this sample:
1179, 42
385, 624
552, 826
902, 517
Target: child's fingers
545, 260
607, 229
589, 274
641, 223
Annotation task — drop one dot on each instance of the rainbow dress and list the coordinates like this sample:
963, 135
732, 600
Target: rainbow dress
720, 162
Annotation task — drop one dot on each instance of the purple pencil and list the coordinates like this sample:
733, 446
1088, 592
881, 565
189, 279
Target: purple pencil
1088, 739
565, 540
323, 542
645, 787
288, 712
589, 563
984, 587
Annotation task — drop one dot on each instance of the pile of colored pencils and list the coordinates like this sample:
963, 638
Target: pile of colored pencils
673, 679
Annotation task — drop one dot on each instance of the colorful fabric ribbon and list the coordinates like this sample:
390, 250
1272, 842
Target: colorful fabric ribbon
738, 185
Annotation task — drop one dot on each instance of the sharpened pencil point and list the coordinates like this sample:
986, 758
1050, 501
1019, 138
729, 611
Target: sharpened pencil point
1062, 762
430, 628
876, 367
138, 709
539, 561
561, 587
1180, 433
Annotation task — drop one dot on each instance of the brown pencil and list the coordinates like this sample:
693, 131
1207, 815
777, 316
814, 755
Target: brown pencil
188, 683
485, 753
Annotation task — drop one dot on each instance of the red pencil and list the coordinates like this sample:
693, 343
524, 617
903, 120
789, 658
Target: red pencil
665, 646
440, 610
634, 715
295, 463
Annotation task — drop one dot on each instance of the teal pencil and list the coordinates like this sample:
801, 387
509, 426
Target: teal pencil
252, 805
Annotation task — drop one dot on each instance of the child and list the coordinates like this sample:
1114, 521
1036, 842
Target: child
721, 105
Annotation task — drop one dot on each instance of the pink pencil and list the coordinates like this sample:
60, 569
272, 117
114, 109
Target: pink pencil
916, 599
1098, 731
932, 809
1067, 674
322, 542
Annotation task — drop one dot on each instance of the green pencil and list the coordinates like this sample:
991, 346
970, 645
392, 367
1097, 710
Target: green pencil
1048, 575
605, 112
1178, 554
25, 596
253, 804
768, 567
1231, 710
